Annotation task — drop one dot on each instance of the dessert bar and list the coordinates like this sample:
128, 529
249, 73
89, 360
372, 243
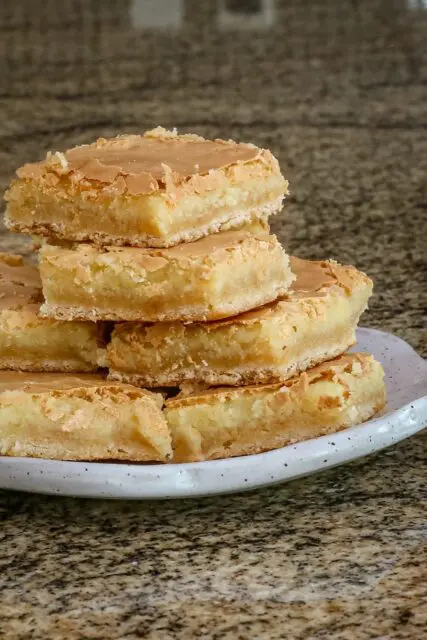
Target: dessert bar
316, 321
215, 277
66, 417
225, 421
30, 343
158, 190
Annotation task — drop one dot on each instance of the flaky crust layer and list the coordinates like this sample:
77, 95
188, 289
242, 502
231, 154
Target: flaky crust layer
36, 364
237, 377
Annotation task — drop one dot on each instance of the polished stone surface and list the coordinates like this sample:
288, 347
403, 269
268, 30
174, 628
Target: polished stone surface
337, 555
338, 89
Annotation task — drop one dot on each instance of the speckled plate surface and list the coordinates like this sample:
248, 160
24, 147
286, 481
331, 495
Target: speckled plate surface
406, 413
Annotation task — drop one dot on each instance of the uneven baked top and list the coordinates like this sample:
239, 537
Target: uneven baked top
152, 259
51, 382
355, 364
143, 164
20, 283
42, 382
313, 276
217, 242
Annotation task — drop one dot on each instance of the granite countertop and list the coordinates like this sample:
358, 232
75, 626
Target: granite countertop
338, 90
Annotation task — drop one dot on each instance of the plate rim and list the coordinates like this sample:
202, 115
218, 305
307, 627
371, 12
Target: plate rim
185, 479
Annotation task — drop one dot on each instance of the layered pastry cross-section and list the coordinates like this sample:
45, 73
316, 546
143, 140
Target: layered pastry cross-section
315, 322
224, 422
66, 417
158, 189
30, 343
215, 277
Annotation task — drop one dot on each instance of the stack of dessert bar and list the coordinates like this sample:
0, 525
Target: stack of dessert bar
157, 267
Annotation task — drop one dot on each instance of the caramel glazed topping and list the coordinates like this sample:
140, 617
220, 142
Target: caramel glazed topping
42, 382
46, 382
314, 276
137, 164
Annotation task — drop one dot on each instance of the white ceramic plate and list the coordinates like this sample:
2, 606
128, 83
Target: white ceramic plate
406, 374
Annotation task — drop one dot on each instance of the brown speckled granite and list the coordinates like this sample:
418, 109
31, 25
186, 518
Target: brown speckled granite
338, 90
339, 555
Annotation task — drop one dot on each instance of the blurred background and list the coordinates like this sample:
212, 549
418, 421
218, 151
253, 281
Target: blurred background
336, 88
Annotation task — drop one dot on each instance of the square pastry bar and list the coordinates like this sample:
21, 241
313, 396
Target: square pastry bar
215, 277
223, 422
31, 343
315, 322
158, 189
64, 417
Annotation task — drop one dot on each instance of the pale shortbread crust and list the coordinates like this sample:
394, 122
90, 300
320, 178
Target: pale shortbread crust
66, 365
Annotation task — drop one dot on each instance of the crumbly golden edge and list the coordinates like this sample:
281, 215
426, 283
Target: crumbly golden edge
363, 394
245, 239
239, 376
196, 313
360, 363
58, 231
258, 226
69, 424
44, 364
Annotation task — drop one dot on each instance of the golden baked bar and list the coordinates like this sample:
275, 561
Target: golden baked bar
58, 416
316, 321
214, 277
30, 343
157, 190
225, 422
